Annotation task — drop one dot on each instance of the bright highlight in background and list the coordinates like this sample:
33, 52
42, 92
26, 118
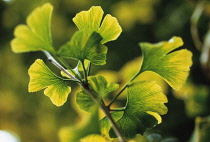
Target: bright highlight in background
8, 0
6, 136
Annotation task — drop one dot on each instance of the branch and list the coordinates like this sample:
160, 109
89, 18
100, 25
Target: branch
86, 88
124, 87
55, 63
106, 112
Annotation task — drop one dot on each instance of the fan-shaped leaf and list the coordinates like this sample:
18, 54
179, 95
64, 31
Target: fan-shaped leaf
36, 35
172, 66
144, 106
105, 124
42, 77
100, 88
84, 101
90, 21
83, 46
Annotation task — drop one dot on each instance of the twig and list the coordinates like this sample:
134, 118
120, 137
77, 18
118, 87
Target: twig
106, 112
124, 87
55, 63
86, 88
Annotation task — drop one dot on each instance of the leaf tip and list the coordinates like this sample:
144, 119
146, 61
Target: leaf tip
176, 40
156, 115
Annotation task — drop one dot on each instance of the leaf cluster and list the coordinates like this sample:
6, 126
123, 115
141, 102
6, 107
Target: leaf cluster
145, 99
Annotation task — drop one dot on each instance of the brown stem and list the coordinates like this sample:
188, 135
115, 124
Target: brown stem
104, 108
87, 89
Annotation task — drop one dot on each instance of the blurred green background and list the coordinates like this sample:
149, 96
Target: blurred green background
33, 118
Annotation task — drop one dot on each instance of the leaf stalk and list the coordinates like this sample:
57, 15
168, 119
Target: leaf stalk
85, 86
85, 72
124, 87
105, 109
59, 66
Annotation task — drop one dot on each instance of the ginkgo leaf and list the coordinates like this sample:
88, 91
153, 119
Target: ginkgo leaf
83, 46
82, 129
91, 20
42, 77
173, 66
36, 35
84, 101
99, 86
76, 71
144, 106
86, 65
72, 72
105, 124
132, 67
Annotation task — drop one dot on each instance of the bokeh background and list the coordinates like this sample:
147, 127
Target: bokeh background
33, 118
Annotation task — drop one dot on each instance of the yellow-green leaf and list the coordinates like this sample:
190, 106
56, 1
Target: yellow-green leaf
42, 77
144, 106
146, 96
91, 20
83, 46
173, 66
132, 67
100, 87
84, 101
36, 35
105, 124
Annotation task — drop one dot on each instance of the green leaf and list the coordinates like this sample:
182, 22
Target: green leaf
72, 72
84, 101
91, 20
82, 129
76, 71
36, 35
83, 46
42, 77
144, 106
105, 124
173, 66
80, 67
100, 88
132, 124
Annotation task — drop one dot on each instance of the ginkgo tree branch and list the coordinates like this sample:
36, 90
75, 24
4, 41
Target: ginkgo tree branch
59, 66
88, 44
105, 109
66, 65
85, 86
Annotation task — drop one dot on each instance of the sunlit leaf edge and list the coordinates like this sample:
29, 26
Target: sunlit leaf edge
91, 20
42, 77
32, 37
177, 70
